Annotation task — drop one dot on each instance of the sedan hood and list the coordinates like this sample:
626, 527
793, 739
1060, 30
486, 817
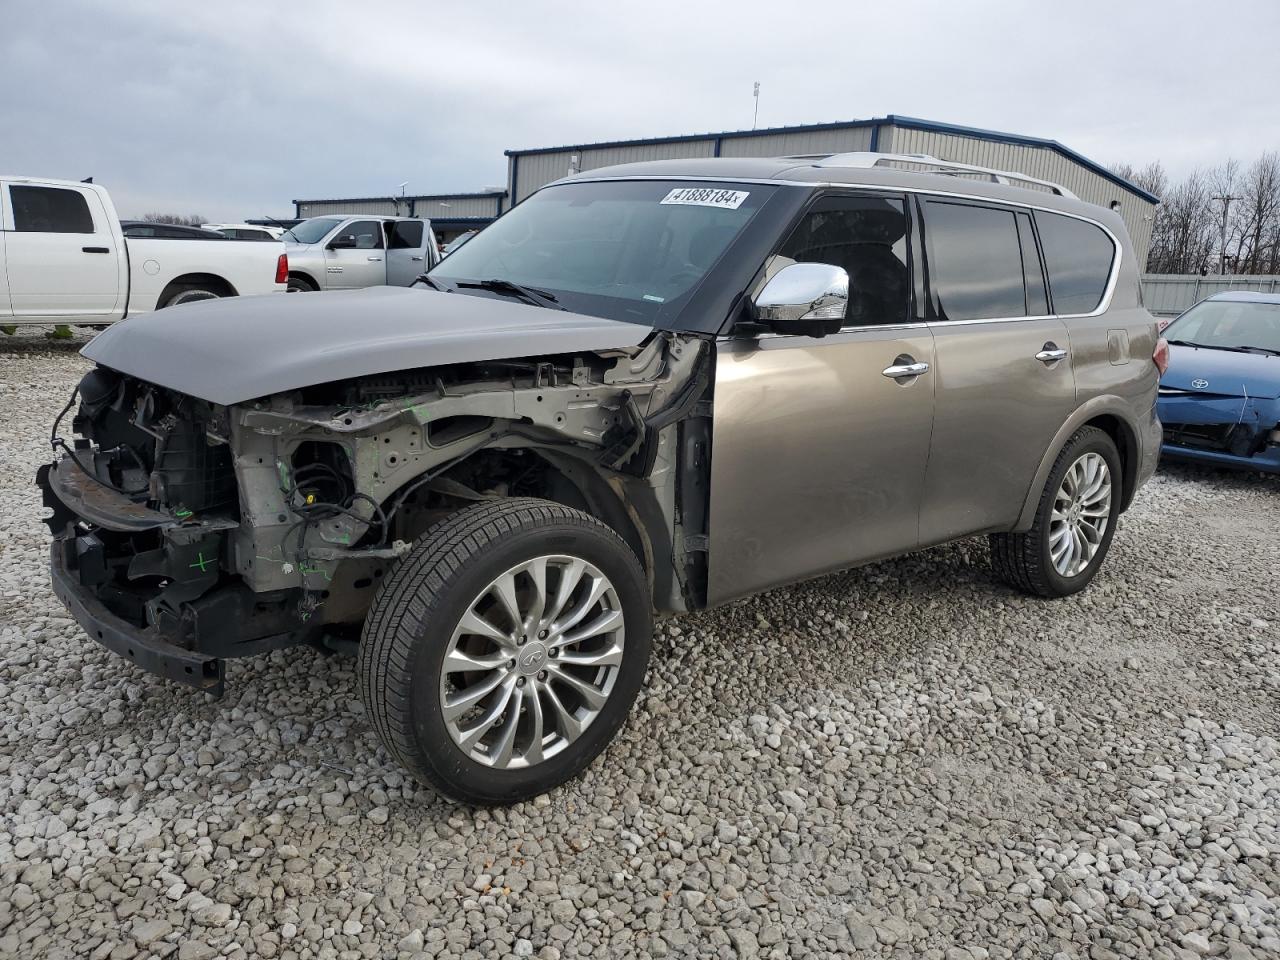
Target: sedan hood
238, 349
1223, 372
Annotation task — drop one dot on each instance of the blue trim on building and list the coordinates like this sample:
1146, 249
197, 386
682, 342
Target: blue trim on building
418, 196
892, 119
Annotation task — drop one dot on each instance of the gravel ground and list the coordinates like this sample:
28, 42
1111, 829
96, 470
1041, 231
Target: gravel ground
907, 760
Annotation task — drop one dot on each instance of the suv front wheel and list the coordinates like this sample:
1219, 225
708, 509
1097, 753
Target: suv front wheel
503, 653
1075, 521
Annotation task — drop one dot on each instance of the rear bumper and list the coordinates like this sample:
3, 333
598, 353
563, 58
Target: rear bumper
145, 647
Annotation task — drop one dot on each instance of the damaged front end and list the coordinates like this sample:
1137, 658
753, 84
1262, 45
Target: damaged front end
1232, 431
187, 532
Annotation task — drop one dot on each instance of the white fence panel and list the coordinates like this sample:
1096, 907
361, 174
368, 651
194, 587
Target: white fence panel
1168, 294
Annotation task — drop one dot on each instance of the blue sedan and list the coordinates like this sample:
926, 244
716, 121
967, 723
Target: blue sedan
1220, 396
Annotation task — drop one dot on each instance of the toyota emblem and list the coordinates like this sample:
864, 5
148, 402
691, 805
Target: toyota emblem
1199, 384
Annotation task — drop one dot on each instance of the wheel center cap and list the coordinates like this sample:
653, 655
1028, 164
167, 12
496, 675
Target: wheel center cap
531, 658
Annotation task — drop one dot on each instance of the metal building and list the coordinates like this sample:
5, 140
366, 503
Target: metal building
450, 213
527, 170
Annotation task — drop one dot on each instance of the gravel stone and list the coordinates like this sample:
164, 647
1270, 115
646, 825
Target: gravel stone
1092, 777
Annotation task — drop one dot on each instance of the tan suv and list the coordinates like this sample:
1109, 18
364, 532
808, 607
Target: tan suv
652, 387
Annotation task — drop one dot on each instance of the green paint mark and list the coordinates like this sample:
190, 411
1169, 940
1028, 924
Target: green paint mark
182, 514
308, 571
201, 562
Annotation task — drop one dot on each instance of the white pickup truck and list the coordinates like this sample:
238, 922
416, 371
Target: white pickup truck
64, 259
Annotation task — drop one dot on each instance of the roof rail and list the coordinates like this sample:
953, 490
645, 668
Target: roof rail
944, 167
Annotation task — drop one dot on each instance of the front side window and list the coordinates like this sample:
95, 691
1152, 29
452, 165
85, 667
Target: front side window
975, 261
1228, 325
1078, 256
633, 250
49, 210
367, 234
867, 238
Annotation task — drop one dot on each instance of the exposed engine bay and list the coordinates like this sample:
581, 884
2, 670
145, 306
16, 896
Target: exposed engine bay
231, 530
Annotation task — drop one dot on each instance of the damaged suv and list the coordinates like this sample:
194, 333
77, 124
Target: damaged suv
656, 387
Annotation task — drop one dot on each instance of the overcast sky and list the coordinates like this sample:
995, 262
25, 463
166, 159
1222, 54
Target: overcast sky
233, 109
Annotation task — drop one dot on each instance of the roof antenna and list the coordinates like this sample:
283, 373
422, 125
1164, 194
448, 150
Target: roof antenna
87, 180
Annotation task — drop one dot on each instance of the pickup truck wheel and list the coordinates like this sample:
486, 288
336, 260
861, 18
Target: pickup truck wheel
503, 653
1075, 521
300, 285
190, 295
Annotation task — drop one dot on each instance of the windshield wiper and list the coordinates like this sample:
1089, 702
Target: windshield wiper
431, 282
539, 298
1240, 348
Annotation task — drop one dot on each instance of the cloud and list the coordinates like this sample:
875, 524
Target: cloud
234, 109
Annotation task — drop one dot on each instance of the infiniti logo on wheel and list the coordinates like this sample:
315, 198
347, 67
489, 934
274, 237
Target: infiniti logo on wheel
533, 658
1199, 384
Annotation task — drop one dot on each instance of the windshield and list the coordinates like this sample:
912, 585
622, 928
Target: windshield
631, 250
1228, 324
313, 230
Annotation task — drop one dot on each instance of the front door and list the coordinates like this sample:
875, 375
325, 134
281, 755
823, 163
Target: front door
61, 253
355, 256
405, 252
819, 445
1003, 379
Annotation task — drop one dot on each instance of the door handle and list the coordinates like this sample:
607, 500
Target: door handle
416, 259
96, 249
1051, 353
901, 371
374, 259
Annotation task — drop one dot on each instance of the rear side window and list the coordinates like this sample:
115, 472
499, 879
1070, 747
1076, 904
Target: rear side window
867, 236
975, 261
1078, 256
406, 234
49, 210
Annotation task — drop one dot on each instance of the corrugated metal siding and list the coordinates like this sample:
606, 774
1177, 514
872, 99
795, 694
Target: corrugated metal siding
538, 169
1169, 294
320, 208
457, 207
1034, 161
788, 144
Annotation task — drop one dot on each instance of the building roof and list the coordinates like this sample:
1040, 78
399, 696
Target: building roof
408, 196
892, 119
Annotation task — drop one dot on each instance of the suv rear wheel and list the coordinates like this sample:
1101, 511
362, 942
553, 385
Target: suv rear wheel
1075, 521
504, 652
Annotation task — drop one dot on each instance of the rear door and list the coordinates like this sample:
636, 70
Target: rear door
363, 263
61, 252
819, 445
406, 251
1003, 380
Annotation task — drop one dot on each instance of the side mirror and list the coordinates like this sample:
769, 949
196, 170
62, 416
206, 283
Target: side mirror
804, 298
347, 242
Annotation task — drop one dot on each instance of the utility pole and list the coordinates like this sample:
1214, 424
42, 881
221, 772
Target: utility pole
1222, 236
755, 114
400, 199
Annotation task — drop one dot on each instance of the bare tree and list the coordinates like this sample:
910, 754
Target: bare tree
1258, 214
175, 218
1182, 235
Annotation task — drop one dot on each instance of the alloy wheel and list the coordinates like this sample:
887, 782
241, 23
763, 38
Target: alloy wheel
1081, 514
532, 662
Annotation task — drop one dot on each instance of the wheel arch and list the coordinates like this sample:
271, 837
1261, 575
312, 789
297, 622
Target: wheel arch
305, 276
220, 285
1107, 414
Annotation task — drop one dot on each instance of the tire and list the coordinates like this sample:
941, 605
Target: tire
415, 624
1030, 561
189, 295
299, 285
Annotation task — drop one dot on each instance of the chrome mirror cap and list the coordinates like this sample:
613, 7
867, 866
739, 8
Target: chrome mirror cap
804, 292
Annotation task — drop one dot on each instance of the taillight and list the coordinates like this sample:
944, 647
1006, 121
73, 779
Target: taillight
1161, 355
282, 268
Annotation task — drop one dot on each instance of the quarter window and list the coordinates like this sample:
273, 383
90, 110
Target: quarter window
867, 237
975, 261
49, 210
1078, 256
